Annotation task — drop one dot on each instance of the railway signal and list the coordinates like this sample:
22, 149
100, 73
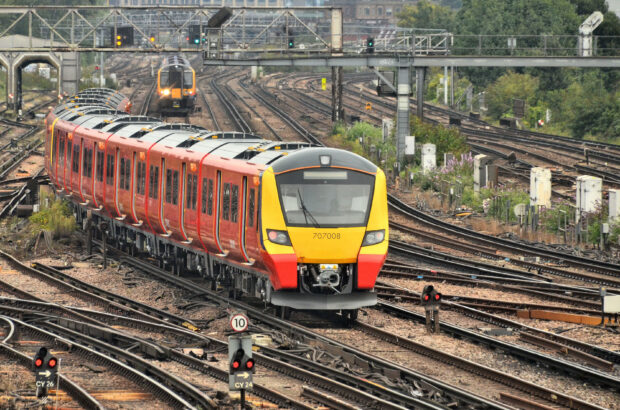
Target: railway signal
370, 45
45, 366
431, 300
241, 369
291, 42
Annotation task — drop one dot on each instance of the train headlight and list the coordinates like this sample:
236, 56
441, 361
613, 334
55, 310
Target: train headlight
374, 237
166, 92
279, 237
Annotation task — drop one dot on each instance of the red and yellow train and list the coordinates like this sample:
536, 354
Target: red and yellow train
299, 226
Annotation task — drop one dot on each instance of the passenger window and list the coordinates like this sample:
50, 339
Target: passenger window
140, 177
194, 190
61, 149
122, 176
109, 171
87, 163
226, 202
203, 199
190, 193
251, 208
69, 150
168, 186
234, 204
210, 198
153, 181
99, 166
175, 188
127, 174
76, 158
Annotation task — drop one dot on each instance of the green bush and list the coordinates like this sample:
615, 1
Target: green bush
54, 216
445, 139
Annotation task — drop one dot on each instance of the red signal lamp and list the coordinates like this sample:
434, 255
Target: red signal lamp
437, 296
426, 297
52, 362
38, 362
249, 364
236, 364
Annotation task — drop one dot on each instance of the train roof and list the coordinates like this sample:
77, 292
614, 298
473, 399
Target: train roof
175, 60
225, 144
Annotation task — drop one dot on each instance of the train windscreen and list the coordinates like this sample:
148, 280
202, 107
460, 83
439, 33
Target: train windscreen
176, 79
188, 79
325, 197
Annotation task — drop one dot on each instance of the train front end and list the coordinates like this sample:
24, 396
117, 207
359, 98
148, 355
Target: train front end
326, 239
176, 89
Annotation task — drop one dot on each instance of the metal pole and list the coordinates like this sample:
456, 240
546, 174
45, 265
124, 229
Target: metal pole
402, 110
242, 399
445, 85
420, 91
451, 86
101, 76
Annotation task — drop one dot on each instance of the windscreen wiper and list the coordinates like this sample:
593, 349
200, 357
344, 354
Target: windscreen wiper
306, 212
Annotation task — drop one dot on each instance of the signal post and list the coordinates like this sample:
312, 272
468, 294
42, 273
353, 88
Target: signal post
431, 300
45, 366
241, 370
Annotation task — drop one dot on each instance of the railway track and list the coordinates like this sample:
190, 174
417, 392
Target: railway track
601, 267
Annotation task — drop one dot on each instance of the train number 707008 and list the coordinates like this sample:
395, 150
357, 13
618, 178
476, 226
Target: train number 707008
328, 235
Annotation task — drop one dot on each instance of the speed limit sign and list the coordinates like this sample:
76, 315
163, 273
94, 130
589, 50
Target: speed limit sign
239, 322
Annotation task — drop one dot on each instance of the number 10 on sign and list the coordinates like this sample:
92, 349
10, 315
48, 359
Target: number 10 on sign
239, 322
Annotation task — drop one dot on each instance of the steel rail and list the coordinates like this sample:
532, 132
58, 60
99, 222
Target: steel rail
475, 368
477, 314
513, 246
93, 293
77, 393
127, 367
450, 392
230, 108
97, 294
591, 375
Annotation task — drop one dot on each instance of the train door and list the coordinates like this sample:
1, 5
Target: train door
98, 185
229, 215
75, 168
189, 220
217, 214
140, 188
109, 193
132, 186
117, 183
250, 221
66, 171
243, 220
208, 203
154, 193
57, 167
169, 200
86, 171
180, 205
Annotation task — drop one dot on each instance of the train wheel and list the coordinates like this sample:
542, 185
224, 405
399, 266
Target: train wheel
350, 316
283, 312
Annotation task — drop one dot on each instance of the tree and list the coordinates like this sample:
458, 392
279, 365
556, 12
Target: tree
501, 93
426, 15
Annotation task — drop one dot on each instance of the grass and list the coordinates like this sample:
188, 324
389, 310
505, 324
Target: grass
54, 216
